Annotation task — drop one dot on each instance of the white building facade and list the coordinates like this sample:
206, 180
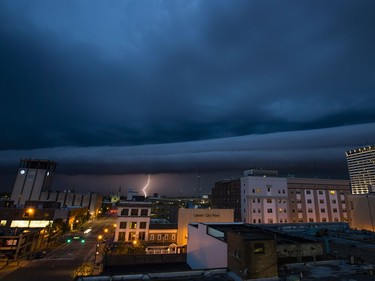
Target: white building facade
264, 199
133, 221
317, 200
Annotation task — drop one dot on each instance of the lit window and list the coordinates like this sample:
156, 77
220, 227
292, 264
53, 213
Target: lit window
332, 192
259, 248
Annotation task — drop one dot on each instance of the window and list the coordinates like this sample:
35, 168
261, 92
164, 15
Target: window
253, 200
152, 237
270, 220
259, 248
166, 236
308, 191
309, 201
333, 201
254, 211
122, 225
142, 225
324, 219
144, 212
323, 210
142, 236
269, 210
132, 236
320, 192
133, 225
3, 223
310, 210
311, 220
321, 201
159, 236
173, 237
269, 188
269, 200
121, 236
124, 212
253, 190
134, 212
284, 191
258, 200
334, 210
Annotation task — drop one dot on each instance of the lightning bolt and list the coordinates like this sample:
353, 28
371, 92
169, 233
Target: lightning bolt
147, 184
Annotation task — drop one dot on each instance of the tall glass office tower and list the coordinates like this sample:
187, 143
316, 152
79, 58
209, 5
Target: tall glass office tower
361, 165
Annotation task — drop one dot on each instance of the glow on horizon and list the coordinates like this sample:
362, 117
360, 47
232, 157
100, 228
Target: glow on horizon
147, 184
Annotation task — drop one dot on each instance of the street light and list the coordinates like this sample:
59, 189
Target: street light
100, 237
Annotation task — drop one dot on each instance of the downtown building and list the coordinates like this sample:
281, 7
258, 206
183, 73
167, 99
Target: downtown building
361, 166
361, 203
266, 198
34, 177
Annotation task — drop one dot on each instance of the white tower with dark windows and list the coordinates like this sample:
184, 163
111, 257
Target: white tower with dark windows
33, 177
361, 166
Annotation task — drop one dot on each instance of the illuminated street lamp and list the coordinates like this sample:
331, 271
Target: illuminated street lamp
100, 237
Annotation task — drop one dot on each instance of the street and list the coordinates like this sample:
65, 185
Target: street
64, 257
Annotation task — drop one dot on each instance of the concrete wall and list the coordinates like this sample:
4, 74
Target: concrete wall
203, 250
362, 211
119, 260
249, 264
186, 216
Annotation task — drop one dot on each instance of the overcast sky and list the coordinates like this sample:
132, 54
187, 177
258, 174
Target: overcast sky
153, 87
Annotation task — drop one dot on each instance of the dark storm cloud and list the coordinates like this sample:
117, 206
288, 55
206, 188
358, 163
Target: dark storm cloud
300, 152
151, 72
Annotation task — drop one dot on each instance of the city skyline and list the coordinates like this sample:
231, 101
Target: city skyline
131, 88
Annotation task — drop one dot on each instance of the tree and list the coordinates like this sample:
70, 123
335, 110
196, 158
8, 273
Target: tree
84, 269
60, 226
